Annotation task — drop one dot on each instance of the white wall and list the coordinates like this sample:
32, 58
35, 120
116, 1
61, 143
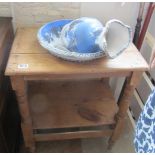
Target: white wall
5, 9
37, 14
32, 14
106, 11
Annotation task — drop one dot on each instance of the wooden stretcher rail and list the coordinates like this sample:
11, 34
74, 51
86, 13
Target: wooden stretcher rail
147, 79
72, 135
138, 99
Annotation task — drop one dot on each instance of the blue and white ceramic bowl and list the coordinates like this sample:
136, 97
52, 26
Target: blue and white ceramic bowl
84, 38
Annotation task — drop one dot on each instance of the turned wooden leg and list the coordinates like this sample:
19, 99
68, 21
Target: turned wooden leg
19, 85
123, 104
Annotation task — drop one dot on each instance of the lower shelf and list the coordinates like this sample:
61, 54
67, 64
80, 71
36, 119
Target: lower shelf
66, 104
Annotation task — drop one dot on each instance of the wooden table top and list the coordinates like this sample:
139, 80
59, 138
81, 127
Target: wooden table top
27, 57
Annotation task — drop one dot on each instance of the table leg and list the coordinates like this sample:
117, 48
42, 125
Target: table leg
19, 85
123, 104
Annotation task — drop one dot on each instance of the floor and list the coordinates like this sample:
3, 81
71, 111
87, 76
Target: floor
94, 145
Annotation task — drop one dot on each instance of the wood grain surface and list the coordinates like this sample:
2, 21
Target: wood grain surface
27, 50
71, 104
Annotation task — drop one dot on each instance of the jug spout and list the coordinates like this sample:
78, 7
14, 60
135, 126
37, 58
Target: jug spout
118, 37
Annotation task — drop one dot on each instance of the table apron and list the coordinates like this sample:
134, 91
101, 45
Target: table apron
75, 76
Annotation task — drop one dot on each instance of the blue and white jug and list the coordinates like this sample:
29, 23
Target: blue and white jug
88, 35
